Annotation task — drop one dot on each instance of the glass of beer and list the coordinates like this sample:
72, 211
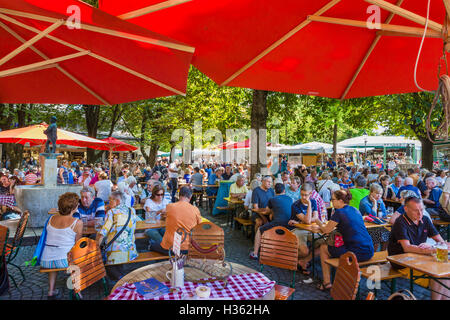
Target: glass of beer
442, 252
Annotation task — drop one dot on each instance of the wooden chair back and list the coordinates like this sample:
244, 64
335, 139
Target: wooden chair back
20, 231
4, 232
279, 248
206, 235
85, 264
346, 281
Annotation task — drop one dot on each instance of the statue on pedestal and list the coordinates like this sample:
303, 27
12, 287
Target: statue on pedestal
51, 133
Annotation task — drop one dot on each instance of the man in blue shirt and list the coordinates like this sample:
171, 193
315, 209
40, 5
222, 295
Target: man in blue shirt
89, 206
331, 164
280, 208
398, 183
260, 200
409, 186
432, 195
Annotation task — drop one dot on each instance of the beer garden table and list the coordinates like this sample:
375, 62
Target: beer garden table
425, 264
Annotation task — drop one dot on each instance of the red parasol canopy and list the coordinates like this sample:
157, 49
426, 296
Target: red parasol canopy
100, 60
273, 45
114, 144
34, 135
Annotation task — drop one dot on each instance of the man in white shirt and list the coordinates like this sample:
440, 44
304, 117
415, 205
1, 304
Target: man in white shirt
173, 176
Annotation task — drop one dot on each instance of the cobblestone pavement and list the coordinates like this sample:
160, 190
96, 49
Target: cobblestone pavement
237, 248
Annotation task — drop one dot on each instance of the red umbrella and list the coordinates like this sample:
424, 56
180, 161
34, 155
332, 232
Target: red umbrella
34, 135
114, 144
275, 45
45, 59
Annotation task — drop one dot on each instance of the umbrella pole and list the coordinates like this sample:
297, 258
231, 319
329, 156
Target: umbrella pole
110, 162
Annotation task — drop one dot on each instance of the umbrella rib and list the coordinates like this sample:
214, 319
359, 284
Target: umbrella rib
384, 27
151, 9
406, 14
366, 57
96, 56
43, 56
277, 43
30, 42
34, 66
107, 31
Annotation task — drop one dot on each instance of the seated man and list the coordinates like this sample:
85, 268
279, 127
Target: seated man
197, 183
303, 211
293, 188
260, 199
432, 196
180, 214
280, 207
238, 190
409, 234
409, 186
89, 207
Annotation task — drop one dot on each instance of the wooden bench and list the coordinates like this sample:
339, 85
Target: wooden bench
246, 223
283, 292
142, 257
378, 258
386, 273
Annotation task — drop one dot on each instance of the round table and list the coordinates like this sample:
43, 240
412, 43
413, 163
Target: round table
158, 271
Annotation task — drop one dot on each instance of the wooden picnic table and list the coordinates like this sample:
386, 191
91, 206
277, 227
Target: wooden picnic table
314, 229
140, 225
158, 271
426, 264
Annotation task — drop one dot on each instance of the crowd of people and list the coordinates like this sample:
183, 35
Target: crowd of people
333, 196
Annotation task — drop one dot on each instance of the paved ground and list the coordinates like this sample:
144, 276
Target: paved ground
237, 248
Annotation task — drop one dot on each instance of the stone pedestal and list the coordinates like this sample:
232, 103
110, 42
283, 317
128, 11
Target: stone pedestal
39, 199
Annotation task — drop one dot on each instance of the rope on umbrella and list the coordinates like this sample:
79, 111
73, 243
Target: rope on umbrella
443, 91
420, 49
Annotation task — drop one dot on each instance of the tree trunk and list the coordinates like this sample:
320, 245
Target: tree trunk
427, 153
92, 113
153, 154
258, 121
117, 113
335, 140
143, 129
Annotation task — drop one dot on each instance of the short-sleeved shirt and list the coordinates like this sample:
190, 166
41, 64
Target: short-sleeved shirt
410, 188
365, 207
211, 191
173, 175
294, 195
281, 207
153, 206
354, 233
445, 189
405, 229
346, 184
261, 197
435, 195
180, 214
298, 207
96, 209
357, 195
197, 179
235, 189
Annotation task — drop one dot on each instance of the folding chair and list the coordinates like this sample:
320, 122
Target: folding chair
346, 282
13, 248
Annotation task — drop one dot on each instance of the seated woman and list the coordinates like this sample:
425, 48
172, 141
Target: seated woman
374, 205
388, 192
156, 204
123, 249
350, 224
63, 230
10, 210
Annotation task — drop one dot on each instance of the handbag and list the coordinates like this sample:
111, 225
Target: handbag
105, 246
335, 239
403, 294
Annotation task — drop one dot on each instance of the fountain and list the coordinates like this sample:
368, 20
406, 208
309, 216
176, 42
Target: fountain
39, 199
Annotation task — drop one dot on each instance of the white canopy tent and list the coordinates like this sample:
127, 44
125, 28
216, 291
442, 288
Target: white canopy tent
311, 147
380, 142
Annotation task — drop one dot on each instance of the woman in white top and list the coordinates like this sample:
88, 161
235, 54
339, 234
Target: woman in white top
156, 204
103, 187
441, 176
63, 230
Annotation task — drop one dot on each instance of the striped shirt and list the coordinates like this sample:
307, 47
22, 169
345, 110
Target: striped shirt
321, 206
31, 178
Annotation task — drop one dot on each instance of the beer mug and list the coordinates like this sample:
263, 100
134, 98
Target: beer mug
98, 224
441, 252
176, 277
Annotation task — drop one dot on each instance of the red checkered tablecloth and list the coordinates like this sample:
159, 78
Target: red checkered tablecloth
7, 200
240, 287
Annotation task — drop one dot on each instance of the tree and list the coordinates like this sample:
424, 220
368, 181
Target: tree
406, 114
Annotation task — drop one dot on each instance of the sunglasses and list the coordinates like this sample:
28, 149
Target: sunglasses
159, 194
